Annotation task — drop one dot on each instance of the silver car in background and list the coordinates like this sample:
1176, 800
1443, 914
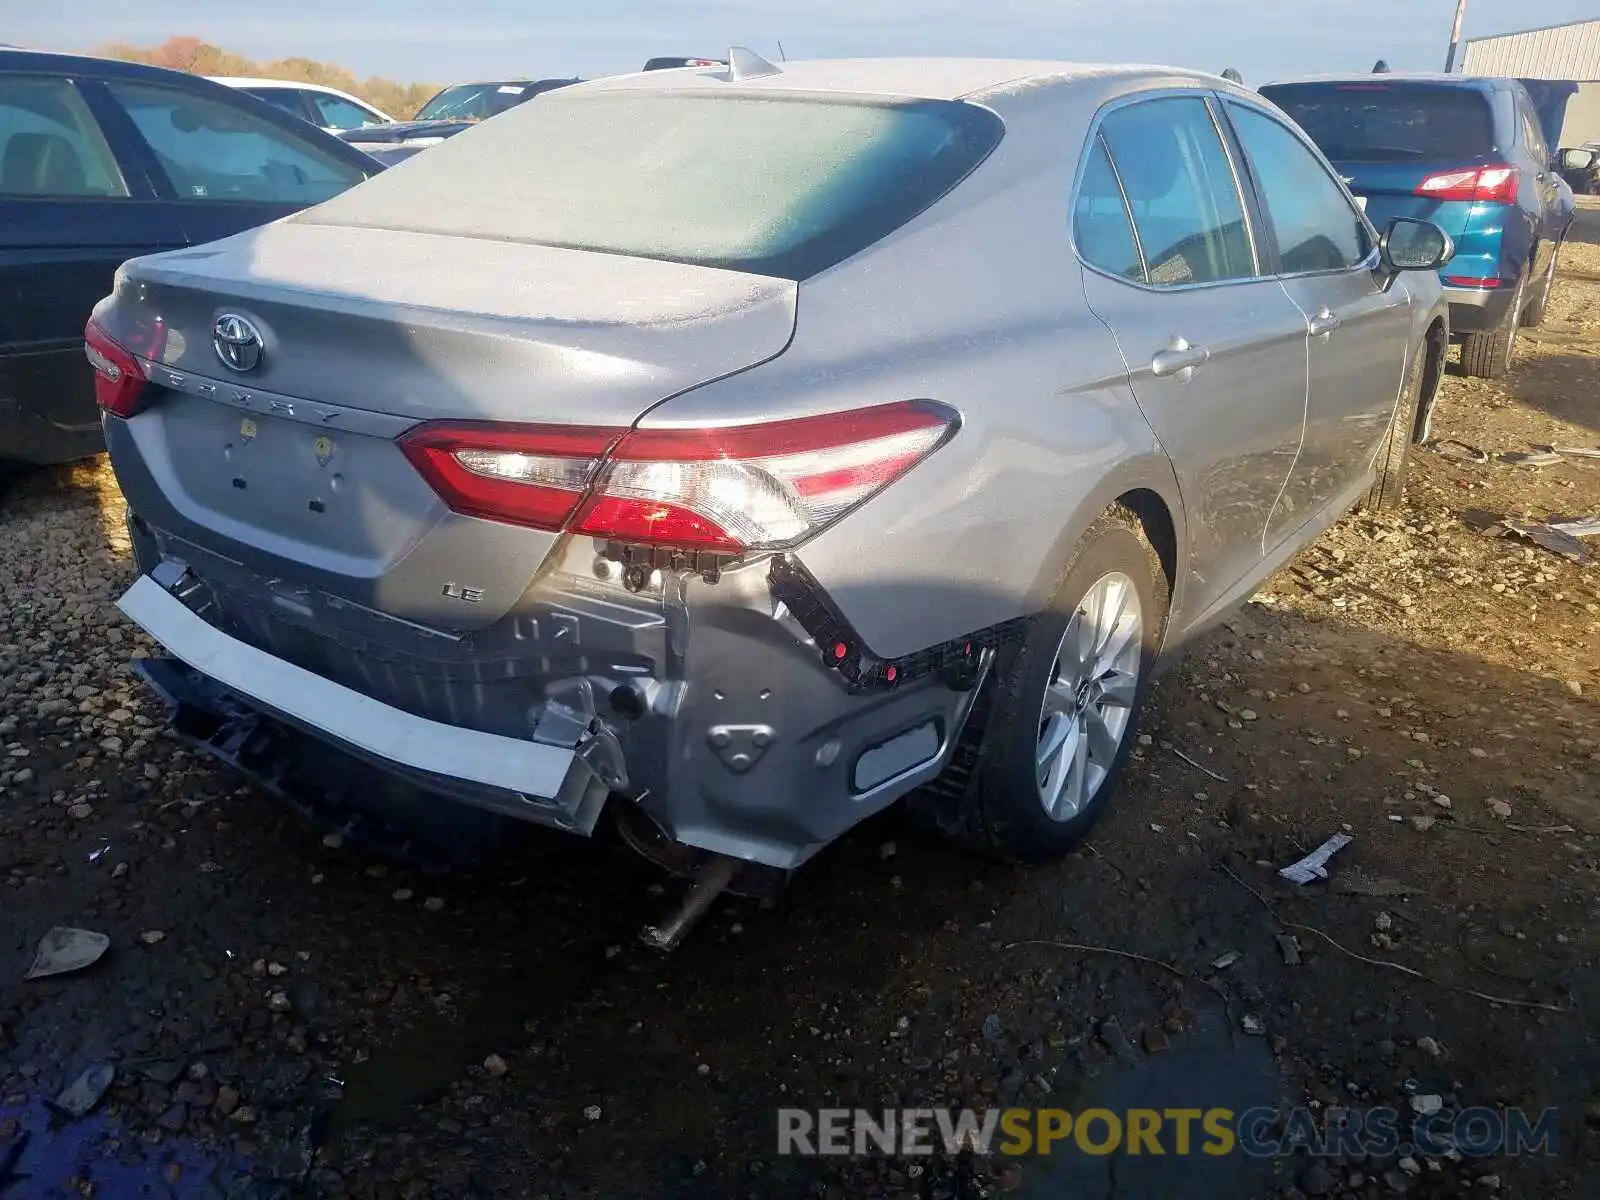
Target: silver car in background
815, 436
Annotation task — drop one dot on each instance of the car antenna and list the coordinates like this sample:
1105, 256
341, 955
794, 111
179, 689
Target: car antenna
782, 57
744, 63
1231, 74
1381, 67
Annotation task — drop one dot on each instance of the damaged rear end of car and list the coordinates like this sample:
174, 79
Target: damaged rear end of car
414, 518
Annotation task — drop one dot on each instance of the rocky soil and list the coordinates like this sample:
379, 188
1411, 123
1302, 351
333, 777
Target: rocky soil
285, 1015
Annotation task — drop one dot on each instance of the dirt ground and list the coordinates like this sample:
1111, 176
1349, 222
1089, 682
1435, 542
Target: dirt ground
290, 1016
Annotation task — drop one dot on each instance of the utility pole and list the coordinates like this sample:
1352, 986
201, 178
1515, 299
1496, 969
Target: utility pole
1455, 37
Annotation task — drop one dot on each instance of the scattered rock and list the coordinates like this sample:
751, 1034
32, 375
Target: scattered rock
227, 1101
433, 903
279, 1002
1253, 1025
1426, 1103
1429, 1047
174, 1119
1422, 823
86, 1091
152, 937
1500, 809
591, 1113
495, 1066
992, 1032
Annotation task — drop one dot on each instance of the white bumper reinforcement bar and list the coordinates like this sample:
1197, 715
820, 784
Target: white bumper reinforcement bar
344, 715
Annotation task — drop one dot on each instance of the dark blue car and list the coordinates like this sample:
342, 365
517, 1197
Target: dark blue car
1467, 153
102, 161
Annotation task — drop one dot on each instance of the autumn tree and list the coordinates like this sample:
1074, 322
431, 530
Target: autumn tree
400, 100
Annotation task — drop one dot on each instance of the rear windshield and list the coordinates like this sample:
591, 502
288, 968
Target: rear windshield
1384, 122
774, 185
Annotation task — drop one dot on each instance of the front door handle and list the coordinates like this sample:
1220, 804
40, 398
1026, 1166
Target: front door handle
1324, 322
1178, 360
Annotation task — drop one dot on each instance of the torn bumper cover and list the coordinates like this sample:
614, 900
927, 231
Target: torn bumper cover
554, 783
730, 722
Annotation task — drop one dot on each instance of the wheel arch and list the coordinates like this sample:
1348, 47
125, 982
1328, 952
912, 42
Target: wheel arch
1146, 486
1436, 347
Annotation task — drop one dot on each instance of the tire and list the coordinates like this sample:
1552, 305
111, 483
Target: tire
1001, 810
1487, 354
1389, 487
1533, 316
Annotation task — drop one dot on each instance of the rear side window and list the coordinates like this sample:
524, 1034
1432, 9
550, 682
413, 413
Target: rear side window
1317, 227
1100, 220
212, 151
338, 113
50, 144
776, 185
1389, 122
1180, 185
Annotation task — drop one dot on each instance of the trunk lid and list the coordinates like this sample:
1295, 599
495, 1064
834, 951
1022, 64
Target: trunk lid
291, 471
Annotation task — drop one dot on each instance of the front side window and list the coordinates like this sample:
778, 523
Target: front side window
1317, 227
212, 151
778, 185
338, 113
1100, 220
50, 145
1180, 185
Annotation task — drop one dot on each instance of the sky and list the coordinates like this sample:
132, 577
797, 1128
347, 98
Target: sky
440, 41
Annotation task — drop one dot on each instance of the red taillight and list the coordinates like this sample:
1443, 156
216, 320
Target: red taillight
1495, 185
119, 380
766, 486
1472, 281
524, 475
729, 489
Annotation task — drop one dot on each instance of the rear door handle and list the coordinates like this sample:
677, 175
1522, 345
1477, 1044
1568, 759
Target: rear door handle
1178, 360
1324, 322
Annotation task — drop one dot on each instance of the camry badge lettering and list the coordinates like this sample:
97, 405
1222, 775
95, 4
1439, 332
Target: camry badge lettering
469, 595
237, 342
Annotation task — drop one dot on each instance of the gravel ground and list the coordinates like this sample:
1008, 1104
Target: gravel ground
284, 1007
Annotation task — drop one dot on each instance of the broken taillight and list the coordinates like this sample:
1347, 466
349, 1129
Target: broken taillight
732, 488
120, 384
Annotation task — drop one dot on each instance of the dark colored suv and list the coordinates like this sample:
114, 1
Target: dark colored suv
1467, 153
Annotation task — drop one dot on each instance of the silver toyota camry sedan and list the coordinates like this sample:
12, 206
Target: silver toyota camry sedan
729, 452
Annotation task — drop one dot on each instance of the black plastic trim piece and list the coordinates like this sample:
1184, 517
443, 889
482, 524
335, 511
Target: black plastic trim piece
843, 650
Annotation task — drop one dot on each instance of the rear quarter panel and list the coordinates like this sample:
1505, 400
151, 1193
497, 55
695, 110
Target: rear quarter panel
979, 304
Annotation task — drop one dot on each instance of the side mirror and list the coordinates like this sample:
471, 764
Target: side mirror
1576, 160
1412, 245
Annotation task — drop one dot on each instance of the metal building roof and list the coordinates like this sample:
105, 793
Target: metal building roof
1569, 51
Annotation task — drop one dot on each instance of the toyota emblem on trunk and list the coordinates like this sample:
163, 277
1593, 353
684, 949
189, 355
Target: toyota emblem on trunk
237, 342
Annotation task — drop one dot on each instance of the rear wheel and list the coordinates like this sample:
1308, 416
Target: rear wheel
1487, 354
1533, 316
1066, 705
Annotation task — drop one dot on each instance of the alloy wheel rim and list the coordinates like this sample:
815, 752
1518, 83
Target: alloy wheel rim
1088, 703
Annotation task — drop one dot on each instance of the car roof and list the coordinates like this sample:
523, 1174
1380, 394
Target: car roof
53, 62
906, 78
248, 81
1474, 82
